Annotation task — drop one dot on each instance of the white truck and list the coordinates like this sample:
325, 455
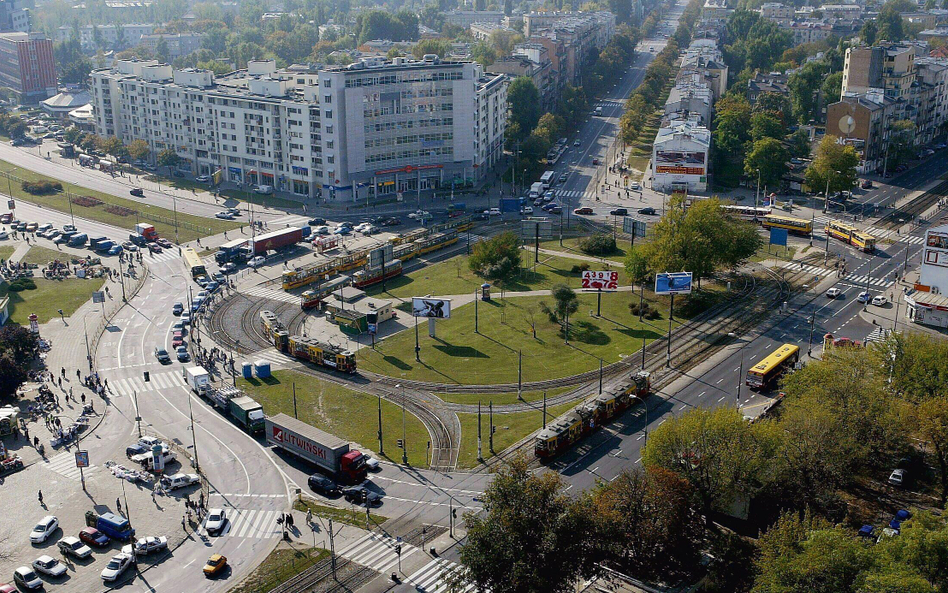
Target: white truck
147, 460
197, 379
175, 481
536, 190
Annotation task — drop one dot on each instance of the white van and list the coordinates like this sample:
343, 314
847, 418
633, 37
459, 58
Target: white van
263, 189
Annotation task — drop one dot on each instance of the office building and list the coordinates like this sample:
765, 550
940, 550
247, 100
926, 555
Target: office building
27, 66
927, 303
376, 128
15, 15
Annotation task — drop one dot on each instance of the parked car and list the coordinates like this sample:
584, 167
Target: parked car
177, 339
229, 268
182, 353
866, 184
635, 186
526, 210
316, 221
44, 529
257, 261
73, 546
177, 309
137, 191
146, 545
492, 212
93, 537
577, 142
898, 477
116, 566
202, 178
880, 300
321, 230
27, 578
50, 566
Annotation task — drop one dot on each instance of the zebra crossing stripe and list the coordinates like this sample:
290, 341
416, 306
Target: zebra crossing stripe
269, 293
435, 576
377, 552
64, 464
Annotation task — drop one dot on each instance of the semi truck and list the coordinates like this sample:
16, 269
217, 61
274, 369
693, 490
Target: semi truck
197, 379
147, 231
221, 397
241, 250
329, 453
248, 413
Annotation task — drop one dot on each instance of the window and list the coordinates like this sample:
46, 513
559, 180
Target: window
327, 98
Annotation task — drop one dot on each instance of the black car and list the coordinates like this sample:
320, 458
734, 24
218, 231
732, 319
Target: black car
361, 494
316, 221
391, 221
322, 484
137, 191
648, 210
162, 355
619, 212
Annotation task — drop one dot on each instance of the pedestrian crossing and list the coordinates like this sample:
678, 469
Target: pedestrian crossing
269, 293
815, 270
249, 523
166, 255
129, 385
64, 464
878, 334
860, 281
437, 577
912, 240
377, 551
289, 219
573, 193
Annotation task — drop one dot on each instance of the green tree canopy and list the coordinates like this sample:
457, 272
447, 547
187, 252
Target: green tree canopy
835, 162
496, 258
769, 157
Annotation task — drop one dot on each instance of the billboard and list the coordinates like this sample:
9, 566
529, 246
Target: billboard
936, 239
593, 280
677, 170
635, 227
778, 236
675, 157
82, 459
531, 227
433, 308
673, 283
509, 205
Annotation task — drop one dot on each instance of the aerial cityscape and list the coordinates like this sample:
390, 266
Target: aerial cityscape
625, 296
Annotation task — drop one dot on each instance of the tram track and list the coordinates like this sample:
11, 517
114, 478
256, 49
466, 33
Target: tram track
914, 208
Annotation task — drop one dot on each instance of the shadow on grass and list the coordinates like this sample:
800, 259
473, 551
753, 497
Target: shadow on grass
398, 363
257, 382
460, 351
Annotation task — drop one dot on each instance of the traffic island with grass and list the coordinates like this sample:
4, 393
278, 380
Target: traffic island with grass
110, 209
348, 414
351, 516
500, 399
460, 355
286, 561
510, 429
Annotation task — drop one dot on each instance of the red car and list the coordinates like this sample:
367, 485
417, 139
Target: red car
583, 210
164, 242
154, 248
177, 339
93, 537
5, 588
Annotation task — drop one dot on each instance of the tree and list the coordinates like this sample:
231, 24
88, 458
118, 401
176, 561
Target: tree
138, 149
716, 451
483, 54
496, 258
162, 50
12, 374
901, 142
72, 65
766, 124
549, 128
869, 32
524, 100
439, 47
834, 162
636, 265
769, 157
20, 343
799, 142
168, 158
832, 88
732, 124
932, 423
647, 525
890, 23
531, 537
775, 103
565, 304
110, 145
803, 85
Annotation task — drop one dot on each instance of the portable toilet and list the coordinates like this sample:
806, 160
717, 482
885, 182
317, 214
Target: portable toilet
262, 368
246, 370
485, 291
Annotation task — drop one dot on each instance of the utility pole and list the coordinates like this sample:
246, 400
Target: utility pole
295, 414
671, 315
138, 414
332, 549
490, 424
520, 375
381, 447
404, 437
479, 456
544, 408
194, 445
809, 345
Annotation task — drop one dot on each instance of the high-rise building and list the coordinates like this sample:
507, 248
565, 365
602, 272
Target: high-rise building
26, 66
373, 129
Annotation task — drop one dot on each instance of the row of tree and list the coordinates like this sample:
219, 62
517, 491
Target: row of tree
18, 349
844, 417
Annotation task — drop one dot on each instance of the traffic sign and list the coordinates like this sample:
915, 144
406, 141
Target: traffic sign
82, 459
98, 297
631, 225
11, 204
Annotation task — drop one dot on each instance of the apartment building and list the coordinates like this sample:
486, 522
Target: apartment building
129, 34
178, 44
773, 82
376, 128
775, 11
15, 15
27, 66
466, 18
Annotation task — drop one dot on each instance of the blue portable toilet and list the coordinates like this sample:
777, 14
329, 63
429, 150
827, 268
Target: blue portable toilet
246, 370
262, 368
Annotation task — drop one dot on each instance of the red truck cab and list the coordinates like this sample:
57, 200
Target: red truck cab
352, 466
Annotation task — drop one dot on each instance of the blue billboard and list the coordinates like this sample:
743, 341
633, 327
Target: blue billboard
510, 205
778, 237
673, 283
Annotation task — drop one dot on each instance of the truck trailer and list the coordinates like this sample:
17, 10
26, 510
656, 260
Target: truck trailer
248, 413
329, 453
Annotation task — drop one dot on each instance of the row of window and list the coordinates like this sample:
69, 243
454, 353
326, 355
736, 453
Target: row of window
403, 78
409, 124
412, 139
405, 109
447, 151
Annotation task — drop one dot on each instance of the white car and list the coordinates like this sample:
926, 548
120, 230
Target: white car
321, 230
419, 215
74, 547
224, 214
833, 293
49, 566
372, 463
4, 235
897, 477
880, 300
146, 545
864, 297
44, 529
492, 212
116, 566
216, 519
577, 142
27, 578
635, 185
202, 178
526, 210
45, 227
362, 226
175, 481
257, 261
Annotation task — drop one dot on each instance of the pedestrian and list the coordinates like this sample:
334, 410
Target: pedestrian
309, 516
60, 382
106, 384
78, 374
118, 505
40, 496
64, 371
36, 441
201, 500
184, 525
289, 518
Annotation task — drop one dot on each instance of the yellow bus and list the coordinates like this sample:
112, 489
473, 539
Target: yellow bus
797, 226
763, 374
193, 263
850, 234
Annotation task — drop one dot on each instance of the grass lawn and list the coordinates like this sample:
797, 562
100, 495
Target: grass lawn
42, 256
187, 222
455, 277
774, 252
6, 251
340, 411
458, 355
49, 296
354, 516
510, 429
500, 398
571, 245
284, 562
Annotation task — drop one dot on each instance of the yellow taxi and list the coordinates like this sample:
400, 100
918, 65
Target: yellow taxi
215, 565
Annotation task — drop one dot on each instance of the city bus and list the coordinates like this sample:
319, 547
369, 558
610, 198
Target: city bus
762, 375
850, 234
797, 226
746, 212
547, 179
193, 263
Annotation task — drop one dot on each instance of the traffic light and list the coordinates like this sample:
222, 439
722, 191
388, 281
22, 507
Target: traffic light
365, 496
454, 513
398, 549
147, 377
400, 444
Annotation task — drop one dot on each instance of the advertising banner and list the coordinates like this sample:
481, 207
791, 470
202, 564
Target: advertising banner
673, 283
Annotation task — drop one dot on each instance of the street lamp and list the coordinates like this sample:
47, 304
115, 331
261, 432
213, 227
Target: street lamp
740, 373
404, 439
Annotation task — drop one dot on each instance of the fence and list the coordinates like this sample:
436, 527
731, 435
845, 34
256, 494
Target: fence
139, 214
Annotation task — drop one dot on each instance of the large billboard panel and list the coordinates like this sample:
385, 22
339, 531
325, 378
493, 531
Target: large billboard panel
593, 280
433, 308
673, 283
675, 157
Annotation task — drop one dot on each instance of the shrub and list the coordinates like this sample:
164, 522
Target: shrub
119, 210
42, 188
22, 284
600, 244
86, 201
648, 312
576, 269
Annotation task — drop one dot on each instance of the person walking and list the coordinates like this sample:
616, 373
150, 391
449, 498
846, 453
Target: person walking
118, 505
39, 495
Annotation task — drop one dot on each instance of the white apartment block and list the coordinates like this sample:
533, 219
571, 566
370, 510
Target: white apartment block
131, 34
373, 129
